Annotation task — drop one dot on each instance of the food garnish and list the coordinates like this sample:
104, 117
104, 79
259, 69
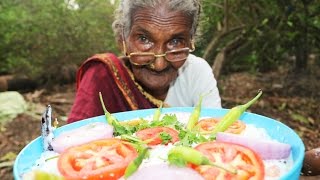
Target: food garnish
266, 149
233, 115
194, 117
206, 126
157, 113
248, 164
82, 135
119, 129
181, 156
101, 159
42, 175
158, 135
134, 165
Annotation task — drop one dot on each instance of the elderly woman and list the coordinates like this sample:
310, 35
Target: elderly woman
157, 37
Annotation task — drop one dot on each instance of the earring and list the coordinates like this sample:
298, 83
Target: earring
193, 47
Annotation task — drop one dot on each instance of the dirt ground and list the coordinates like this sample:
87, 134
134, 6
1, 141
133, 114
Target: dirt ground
291, 100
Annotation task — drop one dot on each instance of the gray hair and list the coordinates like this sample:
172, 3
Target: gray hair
127, 8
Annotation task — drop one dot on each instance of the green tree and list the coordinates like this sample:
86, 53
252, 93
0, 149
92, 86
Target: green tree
40, 38
259, 35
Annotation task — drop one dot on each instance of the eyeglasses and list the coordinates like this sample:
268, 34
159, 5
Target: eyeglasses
145, 58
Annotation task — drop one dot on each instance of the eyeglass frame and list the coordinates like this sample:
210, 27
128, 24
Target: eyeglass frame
155, 55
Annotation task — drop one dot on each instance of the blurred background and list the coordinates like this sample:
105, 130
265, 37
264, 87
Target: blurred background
271, 45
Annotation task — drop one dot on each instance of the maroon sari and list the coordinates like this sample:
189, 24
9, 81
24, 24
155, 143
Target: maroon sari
107, 74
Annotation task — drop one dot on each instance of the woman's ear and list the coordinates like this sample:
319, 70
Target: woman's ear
121, 45
119, 41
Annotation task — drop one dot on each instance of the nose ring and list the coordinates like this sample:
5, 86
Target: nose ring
152, 66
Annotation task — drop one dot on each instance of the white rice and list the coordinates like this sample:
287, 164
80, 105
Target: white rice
275, 168
158, 154
47, 160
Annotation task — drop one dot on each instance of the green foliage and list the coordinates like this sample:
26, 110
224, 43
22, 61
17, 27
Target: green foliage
38, 37
272, 31
210, 24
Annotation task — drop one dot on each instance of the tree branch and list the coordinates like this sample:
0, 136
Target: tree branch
221, 57
215, 41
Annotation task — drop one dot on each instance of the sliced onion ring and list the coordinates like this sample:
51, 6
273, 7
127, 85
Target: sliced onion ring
82, 135
267, 149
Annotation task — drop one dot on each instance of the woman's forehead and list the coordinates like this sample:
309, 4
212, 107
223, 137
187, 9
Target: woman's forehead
161, 18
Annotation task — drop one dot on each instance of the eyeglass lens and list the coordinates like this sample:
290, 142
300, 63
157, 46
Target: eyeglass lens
171, 56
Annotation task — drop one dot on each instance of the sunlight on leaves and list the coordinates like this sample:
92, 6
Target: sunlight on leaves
8, 156
283, 106
300, 118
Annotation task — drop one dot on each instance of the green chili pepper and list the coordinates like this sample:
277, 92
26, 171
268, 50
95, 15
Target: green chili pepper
194, 117
118, 128
157, 113
40, 175
134, 165
135, 140
131, 138
111, 119
233, 115
182, 155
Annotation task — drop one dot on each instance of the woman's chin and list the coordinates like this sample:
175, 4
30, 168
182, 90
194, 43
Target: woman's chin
154, 87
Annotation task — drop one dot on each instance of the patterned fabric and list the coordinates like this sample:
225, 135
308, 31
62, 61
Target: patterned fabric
107, 74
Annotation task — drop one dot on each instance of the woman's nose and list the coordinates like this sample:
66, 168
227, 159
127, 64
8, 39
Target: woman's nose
160, 63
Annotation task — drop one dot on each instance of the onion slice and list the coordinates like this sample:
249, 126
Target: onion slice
267, 149
82, 135
164, 171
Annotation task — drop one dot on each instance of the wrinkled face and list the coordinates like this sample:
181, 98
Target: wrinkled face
158, 31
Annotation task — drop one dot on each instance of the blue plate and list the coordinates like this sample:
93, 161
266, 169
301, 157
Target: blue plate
277, 130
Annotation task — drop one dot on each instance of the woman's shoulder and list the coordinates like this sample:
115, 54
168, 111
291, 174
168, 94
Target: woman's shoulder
193, 58
102, 57
98, 61
195, 63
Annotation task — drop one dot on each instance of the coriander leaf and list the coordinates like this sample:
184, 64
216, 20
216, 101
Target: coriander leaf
167, 120
121, 129
182, 133
170, 119
189, 137
142, 125
165, 137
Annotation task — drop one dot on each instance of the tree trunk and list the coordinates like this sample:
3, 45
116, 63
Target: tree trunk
226, 16
218, 63
216, 40
302, 51
222, 56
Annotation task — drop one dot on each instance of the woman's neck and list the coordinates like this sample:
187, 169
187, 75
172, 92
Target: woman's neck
159, 94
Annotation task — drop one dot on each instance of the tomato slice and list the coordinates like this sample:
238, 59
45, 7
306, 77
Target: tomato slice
248, 164
101, 159
153, 134
205, 126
